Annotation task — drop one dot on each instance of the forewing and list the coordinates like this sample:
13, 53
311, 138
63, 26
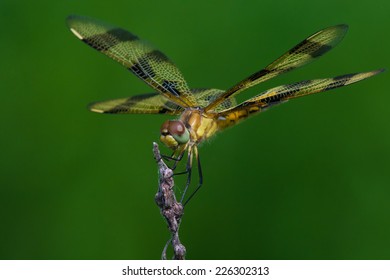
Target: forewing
306, 51
154, 103
149, 64
284, 93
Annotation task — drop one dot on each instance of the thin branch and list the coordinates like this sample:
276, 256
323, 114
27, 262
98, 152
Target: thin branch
170, 209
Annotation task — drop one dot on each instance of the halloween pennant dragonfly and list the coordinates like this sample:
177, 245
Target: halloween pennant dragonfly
202, 112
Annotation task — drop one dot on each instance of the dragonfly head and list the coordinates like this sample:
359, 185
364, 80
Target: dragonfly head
174, 133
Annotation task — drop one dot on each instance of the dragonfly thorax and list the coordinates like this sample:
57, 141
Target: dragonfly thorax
174, 134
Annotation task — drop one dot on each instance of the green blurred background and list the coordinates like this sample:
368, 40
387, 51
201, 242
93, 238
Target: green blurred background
306, 180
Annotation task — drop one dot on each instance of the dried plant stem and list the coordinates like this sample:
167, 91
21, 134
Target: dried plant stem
170, 209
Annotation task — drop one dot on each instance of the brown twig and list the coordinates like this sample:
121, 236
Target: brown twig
170, 209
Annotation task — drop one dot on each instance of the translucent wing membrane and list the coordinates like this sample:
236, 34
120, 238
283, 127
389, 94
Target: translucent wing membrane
206, 96
149, 64
283, 93
299, 89
155, 103
152, 103
303, 53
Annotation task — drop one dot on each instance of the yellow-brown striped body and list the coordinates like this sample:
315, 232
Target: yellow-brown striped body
200, 125
233, 117
203, 126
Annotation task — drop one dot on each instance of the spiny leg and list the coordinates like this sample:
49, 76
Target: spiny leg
178, 159
180, 173
171, 157
200, 176
175, 159
188, 170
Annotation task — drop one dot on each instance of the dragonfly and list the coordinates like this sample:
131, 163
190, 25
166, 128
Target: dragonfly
202, 112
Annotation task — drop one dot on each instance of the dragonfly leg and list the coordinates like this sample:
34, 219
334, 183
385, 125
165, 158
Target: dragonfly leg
175, 165
188, 171
180, 173
175, 159
200, 176
171, 157
178, 159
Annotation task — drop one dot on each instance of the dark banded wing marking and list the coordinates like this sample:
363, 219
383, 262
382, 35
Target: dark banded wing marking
149, 64
284, 93
306, 51
206, 96
154, 103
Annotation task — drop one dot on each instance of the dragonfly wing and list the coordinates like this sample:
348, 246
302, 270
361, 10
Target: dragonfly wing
206, 96
303, 88
154, 103
283, 93
306, 51
142, 59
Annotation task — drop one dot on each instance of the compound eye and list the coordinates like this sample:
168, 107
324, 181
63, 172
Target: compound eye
177, 130
164, 130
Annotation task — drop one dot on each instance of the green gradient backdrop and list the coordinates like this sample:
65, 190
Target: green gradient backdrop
306, 180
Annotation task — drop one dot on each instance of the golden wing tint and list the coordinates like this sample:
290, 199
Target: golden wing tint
303, 53
154, 103
284, 93
206, 96
149, 64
